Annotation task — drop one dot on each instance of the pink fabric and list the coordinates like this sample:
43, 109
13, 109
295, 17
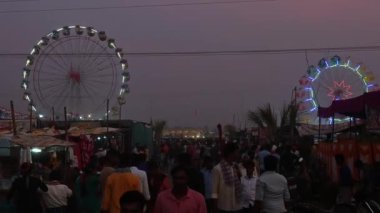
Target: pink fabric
87, 149
193, 202
83, 151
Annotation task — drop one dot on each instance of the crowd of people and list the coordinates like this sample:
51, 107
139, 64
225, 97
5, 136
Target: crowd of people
240, 180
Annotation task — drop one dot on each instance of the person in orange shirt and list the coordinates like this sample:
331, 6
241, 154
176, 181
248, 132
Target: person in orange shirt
119, 182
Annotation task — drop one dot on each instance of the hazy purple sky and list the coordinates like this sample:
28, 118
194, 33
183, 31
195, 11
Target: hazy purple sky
200, 90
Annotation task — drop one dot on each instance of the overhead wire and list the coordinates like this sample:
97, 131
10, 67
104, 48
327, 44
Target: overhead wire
258, 51
132, 6
15, 1
217, 52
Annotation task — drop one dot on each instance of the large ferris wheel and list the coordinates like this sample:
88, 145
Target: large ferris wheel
76, 67
332, 79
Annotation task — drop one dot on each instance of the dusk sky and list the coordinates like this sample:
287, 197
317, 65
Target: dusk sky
195, 91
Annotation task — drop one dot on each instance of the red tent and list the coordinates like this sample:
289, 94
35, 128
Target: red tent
325, 112
372, 99
354, 107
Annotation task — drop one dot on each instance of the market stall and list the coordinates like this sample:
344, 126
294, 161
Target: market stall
45, 152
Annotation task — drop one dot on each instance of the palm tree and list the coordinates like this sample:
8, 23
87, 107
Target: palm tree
158, 129
230, 130
293, 111
265, 117
288, 122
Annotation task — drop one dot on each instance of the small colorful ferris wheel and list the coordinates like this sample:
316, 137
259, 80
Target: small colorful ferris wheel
77, 67
330, 80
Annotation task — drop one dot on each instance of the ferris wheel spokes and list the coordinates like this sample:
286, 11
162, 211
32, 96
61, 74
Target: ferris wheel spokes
73, 66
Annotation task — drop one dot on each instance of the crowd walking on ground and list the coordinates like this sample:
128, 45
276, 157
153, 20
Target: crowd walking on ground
238, 179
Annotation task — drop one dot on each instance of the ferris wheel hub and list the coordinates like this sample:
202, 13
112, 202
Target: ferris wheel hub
74, 76
340, 90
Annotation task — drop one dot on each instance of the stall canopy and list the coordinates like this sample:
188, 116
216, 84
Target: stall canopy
73, 131
354, 107
39, 141
76, 131
47, 132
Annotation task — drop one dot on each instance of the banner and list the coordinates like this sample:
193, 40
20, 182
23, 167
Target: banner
352, 151
310, 129
365, 153
376, 152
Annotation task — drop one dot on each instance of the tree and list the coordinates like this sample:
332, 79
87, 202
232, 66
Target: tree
158, 129
265, 117
284, 130
230, 130
288, 122
293, 111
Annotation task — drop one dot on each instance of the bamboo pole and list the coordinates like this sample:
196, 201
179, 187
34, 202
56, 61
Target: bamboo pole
31, 120
108, 105
293, 104
319, 129
53, 113
65, 114
333, 127
13, 119
120, 112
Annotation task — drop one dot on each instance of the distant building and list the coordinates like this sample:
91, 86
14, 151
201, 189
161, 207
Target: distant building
194, 133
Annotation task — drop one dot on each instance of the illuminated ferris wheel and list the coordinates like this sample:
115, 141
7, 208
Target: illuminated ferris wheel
330, 80
77, 67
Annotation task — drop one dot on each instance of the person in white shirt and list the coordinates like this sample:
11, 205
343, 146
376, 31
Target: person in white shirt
142, 176
271, 189
248, 183
56, 198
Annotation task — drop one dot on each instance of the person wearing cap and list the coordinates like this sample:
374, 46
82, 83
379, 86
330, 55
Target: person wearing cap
24, 190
